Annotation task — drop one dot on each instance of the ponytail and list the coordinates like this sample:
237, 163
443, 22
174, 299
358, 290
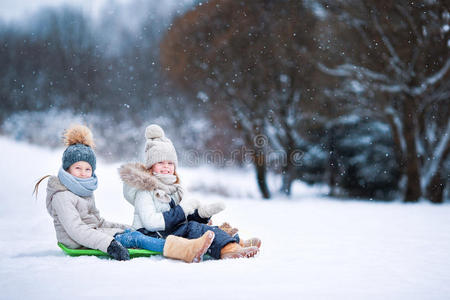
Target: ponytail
36, 187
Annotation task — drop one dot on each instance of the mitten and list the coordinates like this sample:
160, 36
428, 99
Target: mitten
231, 231
208, 209
117, 251
189, 206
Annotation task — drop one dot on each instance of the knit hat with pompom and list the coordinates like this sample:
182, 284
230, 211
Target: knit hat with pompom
158, 148
80, 144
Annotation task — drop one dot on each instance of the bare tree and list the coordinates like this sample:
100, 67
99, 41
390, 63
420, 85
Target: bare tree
395, 56
252, 60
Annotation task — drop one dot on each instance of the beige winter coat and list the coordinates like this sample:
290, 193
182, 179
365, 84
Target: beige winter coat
76, 219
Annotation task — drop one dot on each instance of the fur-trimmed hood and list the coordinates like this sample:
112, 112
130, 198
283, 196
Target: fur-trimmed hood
136, 175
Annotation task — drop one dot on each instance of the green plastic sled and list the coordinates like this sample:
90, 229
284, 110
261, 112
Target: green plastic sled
93, 252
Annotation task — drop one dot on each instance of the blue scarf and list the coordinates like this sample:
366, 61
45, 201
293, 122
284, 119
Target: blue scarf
83, 187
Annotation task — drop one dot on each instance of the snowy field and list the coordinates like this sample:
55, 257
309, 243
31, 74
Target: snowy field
313, 247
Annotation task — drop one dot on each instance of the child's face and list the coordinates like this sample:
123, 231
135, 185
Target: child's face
80, 169
164, 167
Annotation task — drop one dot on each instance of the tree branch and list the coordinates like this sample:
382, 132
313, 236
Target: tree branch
395, 58
432, 79
439, 155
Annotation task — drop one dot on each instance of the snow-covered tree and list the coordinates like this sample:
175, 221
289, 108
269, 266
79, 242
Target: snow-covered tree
253, 61
364, 163
394, 59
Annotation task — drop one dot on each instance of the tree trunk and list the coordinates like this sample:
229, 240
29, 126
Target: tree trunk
332, 163
435, 190
436, 186
289, 169
287, 179
261, 172
396, 137
413, 189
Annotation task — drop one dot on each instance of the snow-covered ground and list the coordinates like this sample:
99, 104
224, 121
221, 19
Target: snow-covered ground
313, 247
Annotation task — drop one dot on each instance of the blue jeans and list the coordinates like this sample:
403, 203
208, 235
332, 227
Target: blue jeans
135, 239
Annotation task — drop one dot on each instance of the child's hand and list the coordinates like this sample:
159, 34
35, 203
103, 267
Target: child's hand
117, 251
209, 209
231, 231
189, 206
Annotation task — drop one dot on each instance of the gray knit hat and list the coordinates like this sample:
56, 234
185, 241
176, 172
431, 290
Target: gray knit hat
79, 140
158, 148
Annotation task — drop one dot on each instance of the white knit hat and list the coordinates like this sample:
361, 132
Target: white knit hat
158, 148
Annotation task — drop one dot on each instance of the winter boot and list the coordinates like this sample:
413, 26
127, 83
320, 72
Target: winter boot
251, 242
234, 250
231, 231
188, 250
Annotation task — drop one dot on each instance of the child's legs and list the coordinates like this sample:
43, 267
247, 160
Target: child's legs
193, 230
135, 239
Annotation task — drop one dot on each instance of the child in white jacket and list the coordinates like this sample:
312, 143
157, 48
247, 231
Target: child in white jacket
70, 202
160, 209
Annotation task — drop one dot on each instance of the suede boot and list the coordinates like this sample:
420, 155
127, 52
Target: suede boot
234, 250
251, 242
188, 250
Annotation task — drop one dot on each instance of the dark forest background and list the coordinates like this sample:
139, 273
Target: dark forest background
351, 94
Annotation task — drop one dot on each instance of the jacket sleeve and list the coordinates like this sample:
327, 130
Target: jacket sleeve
80, 232
146, 210
153, 220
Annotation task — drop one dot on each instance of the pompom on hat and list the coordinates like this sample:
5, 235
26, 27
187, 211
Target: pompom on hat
158, 147
80, 144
